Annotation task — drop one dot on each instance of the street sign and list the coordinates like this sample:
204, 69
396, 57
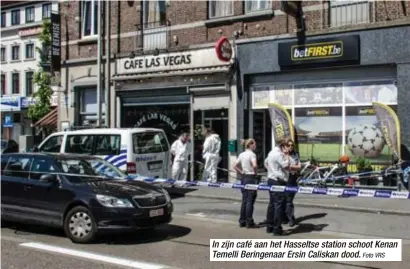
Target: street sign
8, 121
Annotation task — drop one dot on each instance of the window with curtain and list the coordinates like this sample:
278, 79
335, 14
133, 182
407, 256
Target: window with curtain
15, 17
3, 19
29, 14
15, 53
220, 8
88, 105
3, 54
29, 83
344, 12
3, 84
154, 13
89, 18
46, 11
30, 51
256, 5
15, 86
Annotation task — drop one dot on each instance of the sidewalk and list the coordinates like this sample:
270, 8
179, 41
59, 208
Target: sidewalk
356, 204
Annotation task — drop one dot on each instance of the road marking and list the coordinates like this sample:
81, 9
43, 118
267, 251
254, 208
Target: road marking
94, 256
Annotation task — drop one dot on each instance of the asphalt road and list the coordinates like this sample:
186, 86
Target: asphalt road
185, 243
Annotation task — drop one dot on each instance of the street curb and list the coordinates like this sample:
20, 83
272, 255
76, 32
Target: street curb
309, 205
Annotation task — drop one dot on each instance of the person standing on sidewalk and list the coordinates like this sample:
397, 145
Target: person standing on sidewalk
180, 150
279, 165
247, 167
210, 153
292, 182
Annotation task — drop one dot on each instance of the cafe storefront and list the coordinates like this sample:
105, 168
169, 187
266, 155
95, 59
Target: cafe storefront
328, 85
177, 92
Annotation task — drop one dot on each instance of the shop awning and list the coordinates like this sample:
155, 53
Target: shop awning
49, 120
182, 72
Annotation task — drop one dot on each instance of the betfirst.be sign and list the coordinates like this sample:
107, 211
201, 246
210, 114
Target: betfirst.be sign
217, 56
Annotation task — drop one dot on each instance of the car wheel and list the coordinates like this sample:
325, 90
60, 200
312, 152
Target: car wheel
79, 225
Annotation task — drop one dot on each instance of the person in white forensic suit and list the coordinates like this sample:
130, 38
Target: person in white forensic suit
210, 153
180, 150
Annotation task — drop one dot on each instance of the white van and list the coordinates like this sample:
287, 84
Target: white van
143, 151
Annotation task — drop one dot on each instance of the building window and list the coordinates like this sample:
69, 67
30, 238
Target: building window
30, 51
154, 13
15, 53
3, 84
89, 18
3, 54
343, 12
29, 83
3, 19
46, 11
15, 17
29, 14
15, 86
88, 106
219, 8
256, 5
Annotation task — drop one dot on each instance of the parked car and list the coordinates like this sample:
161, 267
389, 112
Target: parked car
84, 195
9, 146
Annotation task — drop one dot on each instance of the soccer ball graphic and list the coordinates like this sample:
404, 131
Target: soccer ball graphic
365, 141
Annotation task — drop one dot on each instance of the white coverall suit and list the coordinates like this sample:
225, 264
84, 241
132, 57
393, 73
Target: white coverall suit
210, 153
180, 166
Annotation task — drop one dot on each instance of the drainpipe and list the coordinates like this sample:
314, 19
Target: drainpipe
99, 67
108, 66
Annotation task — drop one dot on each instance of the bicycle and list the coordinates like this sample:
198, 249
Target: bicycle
319, 176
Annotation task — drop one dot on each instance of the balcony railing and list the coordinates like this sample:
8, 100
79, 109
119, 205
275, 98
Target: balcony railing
344, 13
152, 36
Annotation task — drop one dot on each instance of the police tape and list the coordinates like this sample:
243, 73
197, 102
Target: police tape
345, 192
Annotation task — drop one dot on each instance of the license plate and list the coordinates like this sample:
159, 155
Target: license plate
155, 165
156, 212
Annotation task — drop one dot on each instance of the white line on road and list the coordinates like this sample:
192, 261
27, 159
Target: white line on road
94, 256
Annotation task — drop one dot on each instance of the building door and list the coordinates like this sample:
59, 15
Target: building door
217, 120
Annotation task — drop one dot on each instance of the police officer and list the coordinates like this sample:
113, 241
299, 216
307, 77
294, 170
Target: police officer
292, 182
246, 165
279, 165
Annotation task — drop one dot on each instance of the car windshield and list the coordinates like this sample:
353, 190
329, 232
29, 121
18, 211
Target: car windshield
3, 144
85, 169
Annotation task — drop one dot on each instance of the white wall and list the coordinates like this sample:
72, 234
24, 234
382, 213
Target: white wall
10, 36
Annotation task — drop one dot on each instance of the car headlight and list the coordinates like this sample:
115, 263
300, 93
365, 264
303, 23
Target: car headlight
110, 201
167, 196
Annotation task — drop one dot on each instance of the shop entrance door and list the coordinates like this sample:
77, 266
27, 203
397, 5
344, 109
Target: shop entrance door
217, 120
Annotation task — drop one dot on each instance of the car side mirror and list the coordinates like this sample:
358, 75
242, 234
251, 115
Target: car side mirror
36, 149
48, 178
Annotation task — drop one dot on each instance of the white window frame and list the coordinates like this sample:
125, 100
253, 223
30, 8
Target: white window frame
259, 8
32, 82
3, 19
215, 16
47, 14
5, 84
19, 16
147, 22
12, 83
334, 5
5, 55
19, 52
93, 32
33, 14
25, 51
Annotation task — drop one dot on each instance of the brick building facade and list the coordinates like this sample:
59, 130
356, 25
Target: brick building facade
203, 91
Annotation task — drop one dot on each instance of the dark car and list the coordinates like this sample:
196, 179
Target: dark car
9, 146
81, 194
